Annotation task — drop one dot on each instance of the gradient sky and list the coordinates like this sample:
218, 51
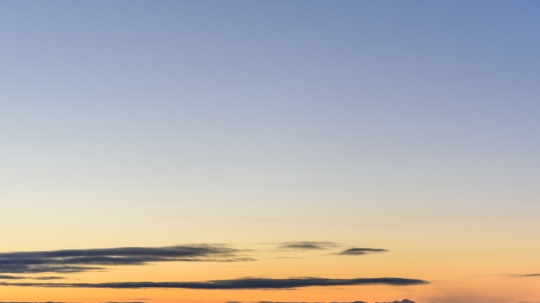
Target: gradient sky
285, 131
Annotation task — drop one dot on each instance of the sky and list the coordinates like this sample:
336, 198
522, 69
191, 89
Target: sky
276, 151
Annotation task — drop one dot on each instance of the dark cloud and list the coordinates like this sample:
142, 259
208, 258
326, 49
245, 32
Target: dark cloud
356, 251
305, 245
79, 260
48, 278
7, 277
244, 283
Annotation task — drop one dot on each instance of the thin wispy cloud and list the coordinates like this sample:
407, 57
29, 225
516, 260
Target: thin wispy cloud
9, 277
357, 251
80, 260
307, 245
48, 278
525, 275
243, 283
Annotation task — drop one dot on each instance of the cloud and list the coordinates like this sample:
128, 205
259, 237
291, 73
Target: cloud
69, 261
402, 301
243, 283
7, 277
306, 245
48, 278
524, 275
356, 251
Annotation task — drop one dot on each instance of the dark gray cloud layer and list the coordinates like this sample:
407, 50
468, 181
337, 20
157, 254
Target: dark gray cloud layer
7, 277
79, 260
356, 251
306, 245
244, 283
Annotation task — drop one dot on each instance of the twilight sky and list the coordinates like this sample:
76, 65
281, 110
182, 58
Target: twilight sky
281, 151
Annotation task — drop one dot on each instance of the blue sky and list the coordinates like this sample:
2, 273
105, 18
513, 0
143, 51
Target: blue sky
271, 88
270, 100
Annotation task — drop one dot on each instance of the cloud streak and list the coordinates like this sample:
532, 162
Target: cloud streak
243, 283
80, 260
48, 278
306, 245
9, 277
357, 251
524, 275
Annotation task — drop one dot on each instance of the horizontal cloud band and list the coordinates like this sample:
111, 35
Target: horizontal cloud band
307, 245
525, 275
361, 251
245, 283
65, 261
